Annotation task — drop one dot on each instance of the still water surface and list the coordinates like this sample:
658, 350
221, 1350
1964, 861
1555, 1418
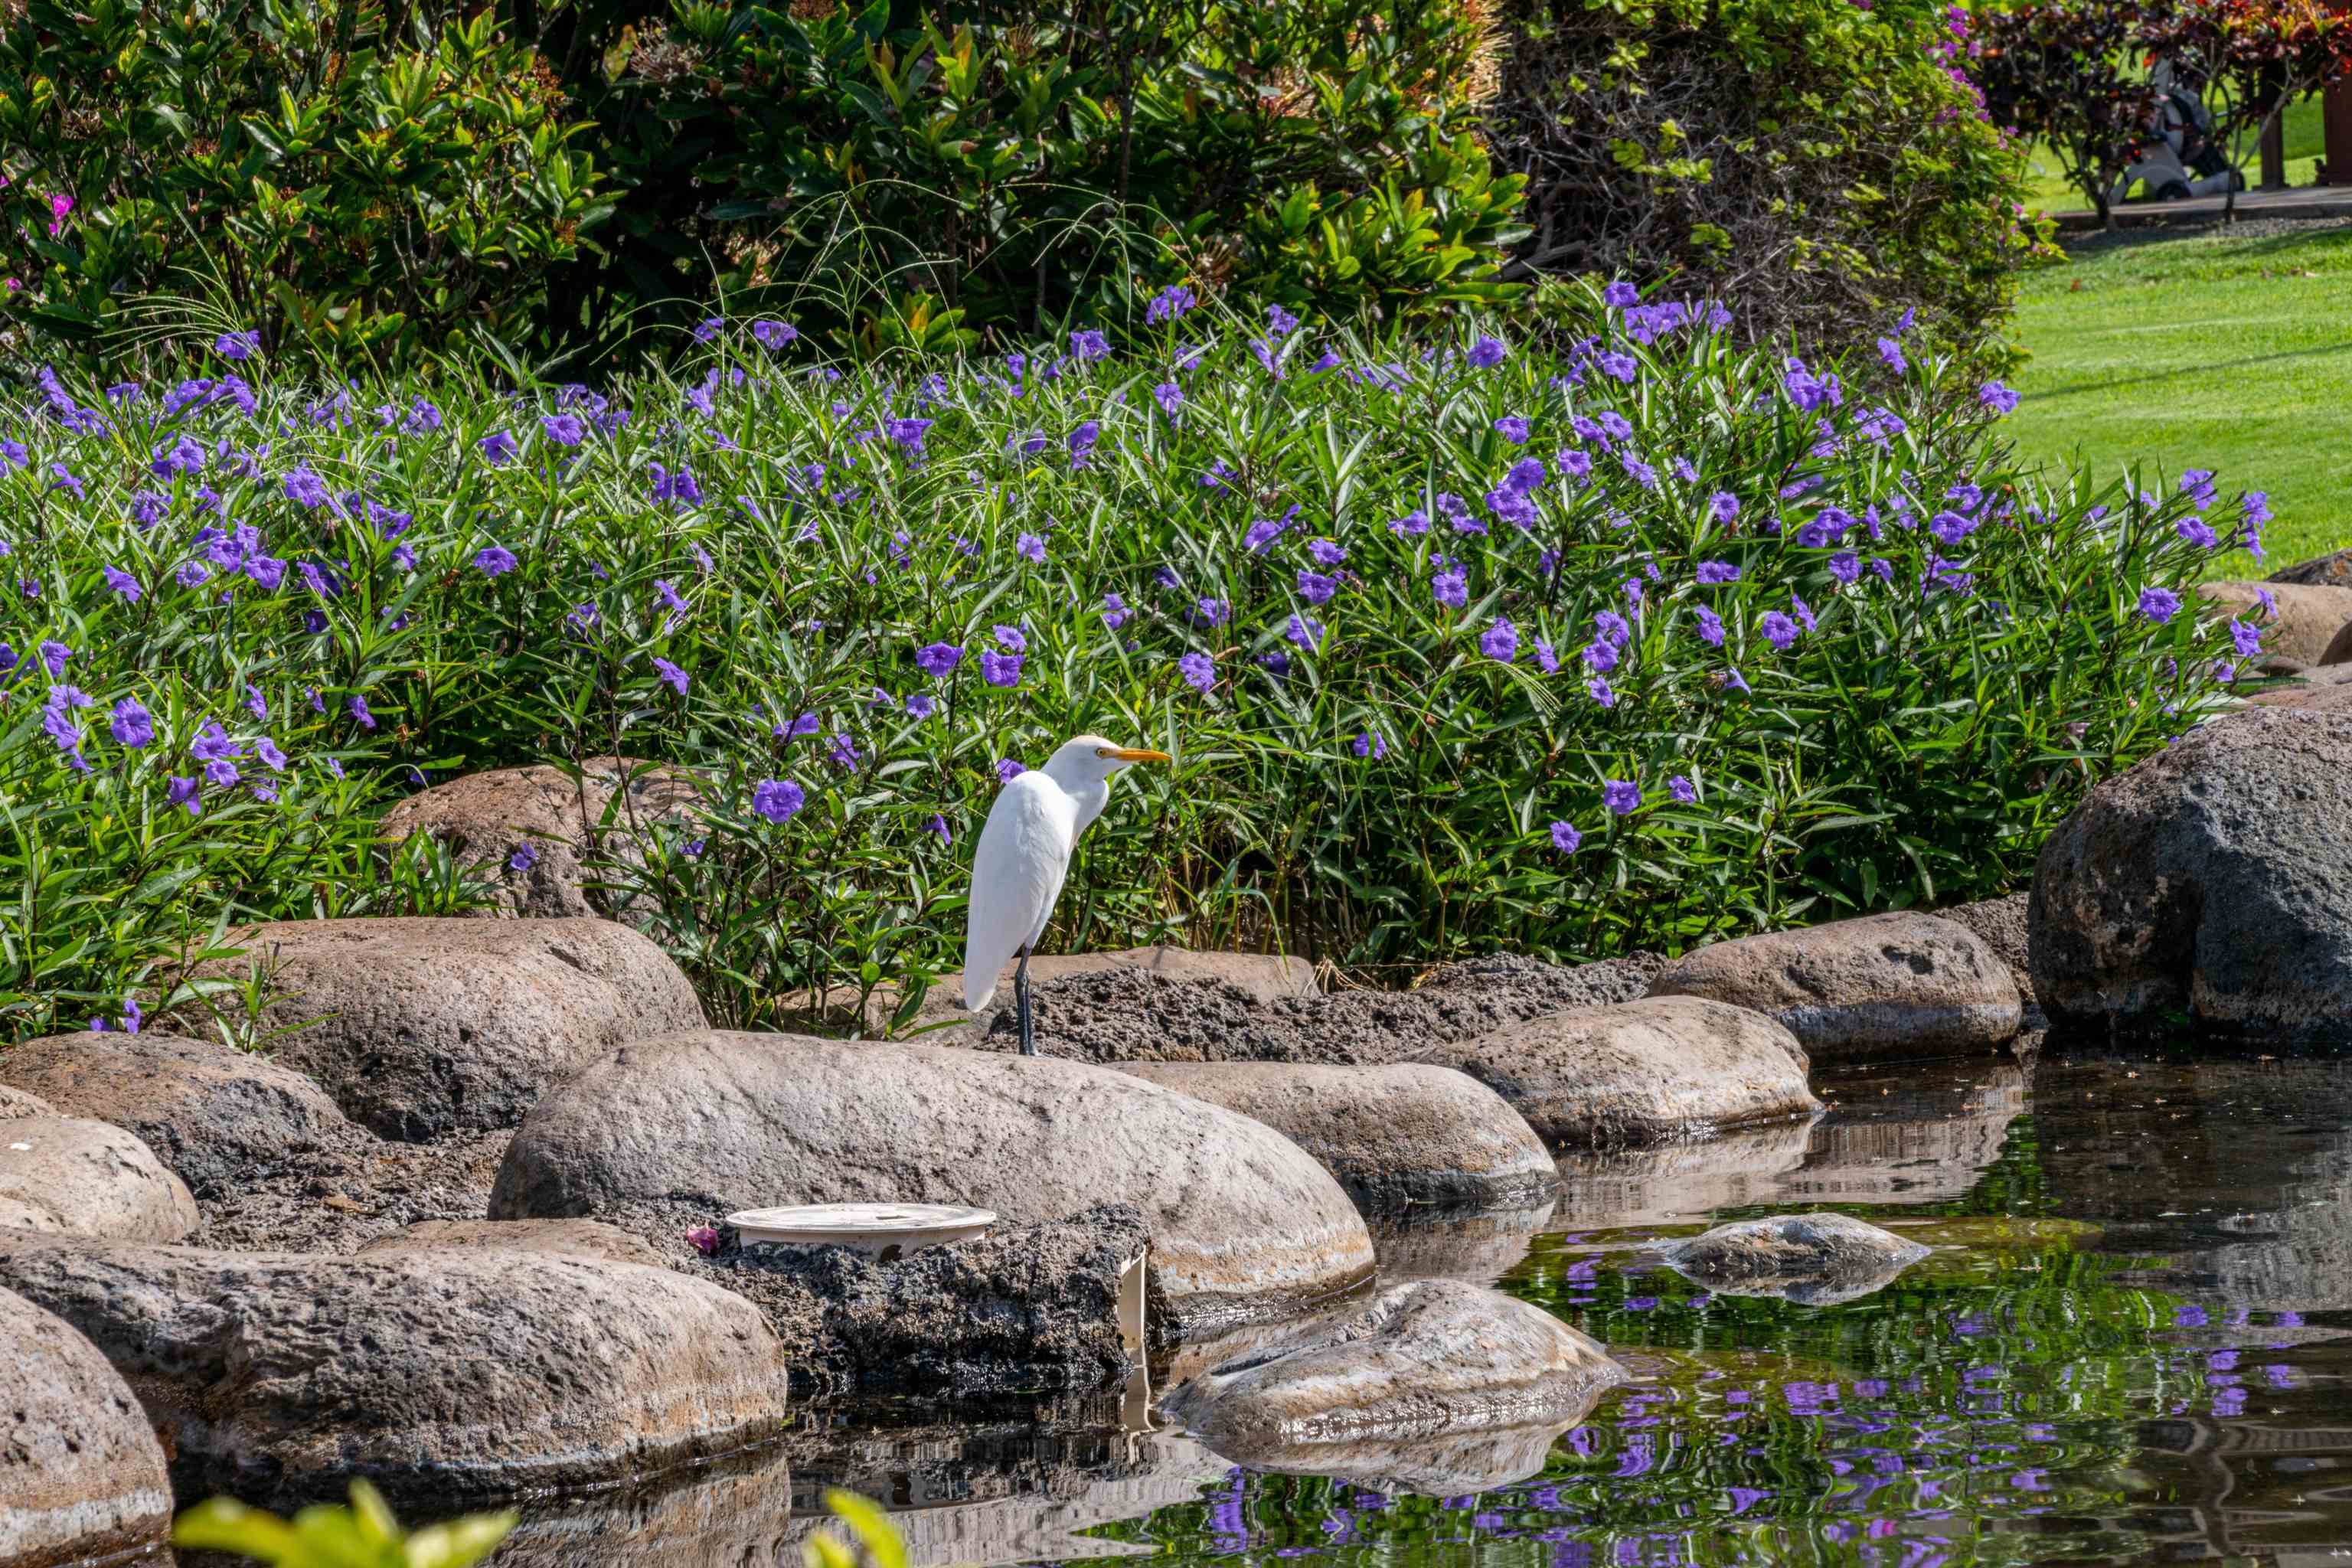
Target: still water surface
2131, 1343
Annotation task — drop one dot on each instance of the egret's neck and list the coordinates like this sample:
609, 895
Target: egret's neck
1089, 793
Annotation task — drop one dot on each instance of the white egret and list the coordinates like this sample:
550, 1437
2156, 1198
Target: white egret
1023, 856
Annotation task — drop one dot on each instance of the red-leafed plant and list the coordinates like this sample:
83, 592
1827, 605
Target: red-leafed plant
2067, 73
2249, 58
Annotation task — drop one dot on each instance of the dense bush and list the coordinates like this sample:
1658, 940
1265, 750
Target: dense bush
1459, 648
1824, 162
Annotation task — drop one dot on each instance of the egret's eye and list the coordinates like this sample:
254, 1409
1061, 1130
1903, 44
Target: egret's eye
1103, 752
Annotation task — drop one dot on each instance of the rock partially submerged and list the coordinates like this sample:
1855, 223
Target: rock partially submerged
62, 1175
1027, 1307
81, 1475
275, 1376
1395, 1136
681, 1129
1812, 1259
1474, 1369
1640, 1072
418, 1027
208, 1110
1882, 987
2212, 882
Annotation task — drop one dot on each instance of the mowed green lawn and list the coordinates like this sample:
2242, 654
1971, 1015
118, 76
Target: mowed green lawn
2216, 352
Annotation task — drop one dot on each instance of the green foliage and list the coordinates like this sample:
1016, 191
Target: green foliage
1826, 164
1314, 571
299, 167
1035, 165
363, 1535
874, 1541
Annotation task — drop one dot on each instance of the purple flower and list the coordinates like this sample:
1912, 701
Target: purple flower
272, 756
709, 327
1710, 627
1200, 671
238, 346
1620, 295
1088, 345
131, 725
2199, 533
1620, 797
124, 584
938, 824
1305, 631
563, 429
1011, 639
494, 560
1711, 573
1315, 588
774, 335
1802, 611
1169, 304
1369, 743
1000, 668
938, 658
1450, 587
525, 856
53, 658
1600, 656
778, 799
2158, 605
178, 791
1997, 397
498, 449
1029, 548
2247, 639
670, 674
1114, 611
1565, 838
1008, 770
1601, 691
1512, 427
1168, 396
1547, 659
1082, 442
1487, 352
1778, 629
1500, 640
1891, 353
1681, 789
920, 706
1412, 525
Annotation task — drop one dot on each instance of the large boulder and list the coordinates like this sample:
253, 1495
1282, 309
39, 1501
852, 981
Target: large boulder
537, 829
1407, 1134
2333, 569
1881, 988
2001, 924
1434, 1359
1640, 1072
560, 1237
273, 1375
421, 1026
81, 1475
1812, 1259
62, 1175
2310, 617
209, 1110
2213, 879
1243, 1222
1259, 978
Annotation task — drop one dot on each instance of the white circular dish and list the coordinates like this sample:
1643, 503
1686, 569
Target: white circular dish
885, 1230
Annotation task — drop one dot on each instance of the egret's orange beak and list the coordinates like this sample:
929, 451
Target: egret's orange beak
1137, 754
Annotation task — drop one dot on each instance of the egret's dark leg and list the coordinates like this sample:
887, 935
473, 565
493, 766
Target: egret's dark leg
1021, 1000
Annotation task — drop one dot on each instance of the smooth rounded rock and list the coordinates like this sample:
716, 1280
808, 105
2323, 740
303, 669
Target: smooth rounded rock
81, 1475
1437, 1358
420, 1027
1640, 1072
1812, 1259
2311, 617
276, 1374
63, 1175
1243, 1222
562, 1237
1407, 1134
2212, 881
16, 1104
207, 1110
563, 822
1883, 987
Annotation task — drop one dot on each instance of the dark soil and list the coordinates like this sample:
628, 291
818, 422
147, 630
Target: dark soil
1130, 1015
339, 1200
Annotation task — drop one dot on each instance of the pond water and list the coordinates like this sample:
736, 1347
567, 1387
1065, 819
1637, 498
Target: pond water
2131, 1343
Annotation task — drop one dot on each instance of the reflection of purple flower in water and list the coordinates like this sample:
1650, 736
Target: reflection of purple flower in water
1641, 1303
2190, 1317
1640, 1453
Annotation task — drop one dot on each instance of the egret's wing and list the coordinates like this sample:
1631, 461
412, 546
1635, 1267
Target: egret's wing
1016, 874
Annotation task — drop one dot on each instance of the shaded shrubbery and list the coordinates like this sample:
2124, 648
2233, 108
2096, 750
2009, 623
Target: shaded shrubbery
1461, 646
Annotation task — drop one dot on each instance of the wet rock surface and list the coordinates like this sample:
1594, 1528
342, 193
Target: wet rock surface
1243, 1222
1026, 1307
1430, 1359
208, 1110
1395, 1136
2214, 881
583, 833
1812, 1259
81, 1475
441, 1373
64, 1176
1881, 987
418, 1027
1132, 1016
1640, 1072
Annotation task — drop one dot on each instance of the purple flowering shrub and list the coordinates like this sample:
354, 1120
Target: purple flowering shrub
1460, 646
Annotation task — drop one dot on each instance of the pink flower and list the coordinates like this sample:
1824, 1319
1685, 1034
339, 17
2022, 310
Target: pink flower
704, 1239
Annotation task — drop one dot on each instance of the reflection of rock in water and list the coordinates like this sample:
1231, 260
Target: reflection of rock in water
1920, 1133
2267, 1143
1449, 1464
1005, 1491
1435, 1244
1811, 1259
736, 1513
1674, 1183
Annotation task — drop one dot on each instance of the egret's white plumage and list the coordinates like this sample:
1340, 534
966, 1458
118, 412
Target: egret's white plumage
1024, 854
